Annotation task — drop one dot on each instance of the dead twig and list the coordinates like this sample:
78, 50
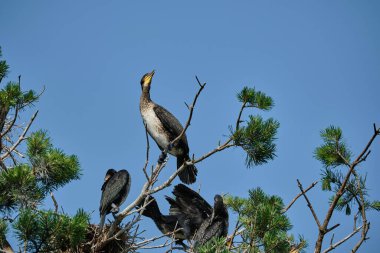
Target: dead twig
20, 139
299, 195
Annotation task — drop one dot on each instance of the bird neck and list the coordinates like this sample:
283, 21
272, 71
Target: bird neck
219, 210
145, 95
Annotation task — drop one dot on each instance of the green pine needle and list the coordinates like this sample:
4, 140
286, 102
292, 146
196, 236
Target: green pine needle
254, 98
334, 151
19, 188
48, 231
257, 139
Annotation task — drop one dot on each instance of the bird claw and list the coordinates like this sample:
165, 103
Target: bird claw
162, 157
115, 209
170, 146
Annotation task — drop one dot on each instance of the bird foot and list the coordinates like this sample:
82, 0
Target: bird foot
162, 157
115, 209
170, 146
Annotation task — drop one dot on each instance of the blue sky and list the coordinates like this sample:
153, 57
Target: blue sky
319, 61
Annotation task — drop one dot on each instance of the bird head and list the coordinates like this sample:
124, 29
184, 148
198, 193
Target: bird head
219, 207
109, 174
146, 80
218, 199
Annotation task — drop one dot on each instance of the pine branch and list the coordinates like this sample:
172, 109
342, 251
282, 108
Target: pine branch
201, 87
20, 139
335, 245
309, 204
299, 195
340, 192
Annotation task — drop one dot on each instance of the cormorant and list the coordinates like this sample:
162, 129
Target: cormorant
202, 222
165, 223
115, 190
163, 127
215, 225
190, 205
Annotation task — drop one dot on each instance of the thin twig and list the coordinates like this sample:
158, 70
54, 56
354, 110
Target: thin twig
54, 201
299, 195
20, 139
191, 113
147, 153
309, 204
333, 246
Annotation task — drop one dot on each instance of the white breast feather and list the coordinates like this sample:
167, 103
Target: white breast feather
154, 127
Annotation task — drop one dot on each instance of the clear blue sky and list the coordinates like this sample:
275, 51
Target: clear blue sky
320, 61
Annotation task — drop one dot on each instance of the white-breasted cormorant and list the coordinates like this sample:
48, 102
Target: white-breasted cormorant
163, 127
115, 190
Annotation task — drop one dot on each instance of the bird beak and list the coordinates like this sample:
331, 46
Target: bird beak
152, 73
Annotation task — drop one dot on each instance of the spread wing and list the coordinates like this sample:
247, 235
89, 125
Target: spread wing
192, 200
170, 123
189, 204
115, 191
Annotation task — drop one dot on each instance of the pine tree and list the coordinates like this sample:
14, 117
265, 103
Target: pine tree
31, 169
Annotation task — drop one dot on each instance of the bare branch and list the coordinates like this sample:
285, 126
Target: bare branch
20, 139
191, 113
335, 245
332, 228
147, 153
363, 213
10, 124
54, 201
238, 121
299, 195
309, 204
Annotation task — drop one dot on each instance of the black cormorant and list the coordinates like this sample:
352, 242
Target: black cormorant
216, 225
163, 127
115, 190
202, 221
165, 223
190, 205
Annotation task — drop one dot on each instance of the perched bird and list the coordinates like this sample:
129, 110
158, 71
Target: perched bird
189, 205
115, 190
163, 127
215, 225
165, 223
202, 222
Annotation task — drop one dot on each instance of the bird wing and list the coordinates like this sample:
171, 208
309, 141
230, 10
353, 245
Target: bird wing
116, 190
210, 229
170, 123
191, 199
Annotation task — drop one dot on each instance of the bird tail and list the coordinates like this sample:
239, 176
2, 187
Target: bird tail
151, 210
102, 220
189, 173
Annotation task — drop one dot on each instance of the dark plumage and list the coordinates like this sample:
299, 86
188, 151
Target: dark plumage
190, 205
215, 225
202, 222
163, 127
165, 223
115, 190
192, 214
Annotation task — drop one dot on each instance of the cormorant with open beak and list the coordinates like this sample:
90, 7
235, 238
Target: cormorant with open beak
163, 127
115, 190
